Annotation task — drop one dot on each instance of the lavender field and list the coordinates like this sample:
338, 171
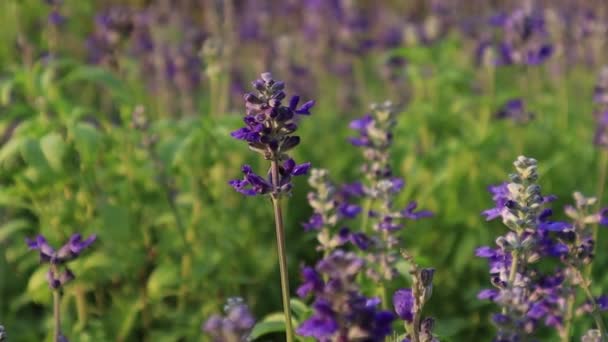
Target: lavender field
303, 170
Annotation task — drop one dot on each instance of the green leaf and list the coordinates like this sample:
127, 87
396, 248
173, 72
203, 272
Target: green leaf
10, 149
88, 141
299, 309
37, 286
33, 155
97, 75
270, 324
53, 148
162, 280
11, 227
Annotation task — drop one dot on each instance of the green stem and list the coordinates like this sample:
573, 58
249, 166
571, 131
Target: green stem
565, 335
280, 231
366, 208
595, 311
56, 315
512, 271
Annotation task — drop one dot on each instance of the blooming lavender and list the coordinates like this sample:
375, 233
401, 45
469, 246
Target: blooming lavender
331, 206
58, 259
341, 311
375, 137
235, 326
600, 98
580, 241
409, 303
269, 128
524, 294
524, 39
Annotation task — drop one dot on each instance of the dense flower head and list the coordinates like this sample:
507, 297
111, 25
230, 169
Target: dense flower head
269, 125
341, 312
235, 325
269, 128
69, 251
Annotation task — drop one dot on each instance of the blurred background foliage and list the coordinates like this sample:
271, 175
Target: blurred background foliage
174, 239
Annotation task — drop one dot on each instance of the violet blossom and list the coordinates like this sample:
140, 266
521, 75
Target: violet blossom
60, 257
340, 311
269, 130
235, 325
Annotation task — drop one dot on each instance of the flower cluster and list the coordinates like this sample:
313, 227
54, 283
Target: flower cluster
520, 289
69, 251
341, 312
269, 128
3, 337
524, 39
55, 18
408, 304
331, 205
375, 137
235, 326
514, 110
600, 97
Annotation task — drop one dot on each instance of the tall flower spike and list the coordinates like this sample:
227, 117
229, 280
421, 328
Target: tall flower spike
269, 130
375, 137
525, 295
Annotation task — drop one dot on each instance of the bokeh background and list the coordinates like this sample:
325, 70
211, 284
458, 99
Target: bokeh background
175, 241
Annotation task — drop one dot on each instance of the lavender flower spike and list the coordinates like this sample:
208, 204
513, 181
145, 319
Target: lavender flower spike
524, 294
269, 130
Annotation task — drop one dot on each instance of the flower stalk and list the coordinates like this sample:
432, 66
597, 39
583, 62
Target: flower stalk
280, 232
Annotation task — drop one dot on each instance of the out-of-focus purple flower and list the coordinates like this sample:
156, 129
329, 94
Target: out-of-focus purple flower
341, 312
600, 98
72, 249
235, 325
514, 110
69, 251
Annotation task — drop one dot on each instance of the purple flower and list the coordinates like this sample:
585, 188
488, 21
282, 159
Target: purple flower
408, 212
234, 326
341, 312
514, 110
269, 128
312, 282
403, 301
69, 251
72, 249
252, 184
314, 223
